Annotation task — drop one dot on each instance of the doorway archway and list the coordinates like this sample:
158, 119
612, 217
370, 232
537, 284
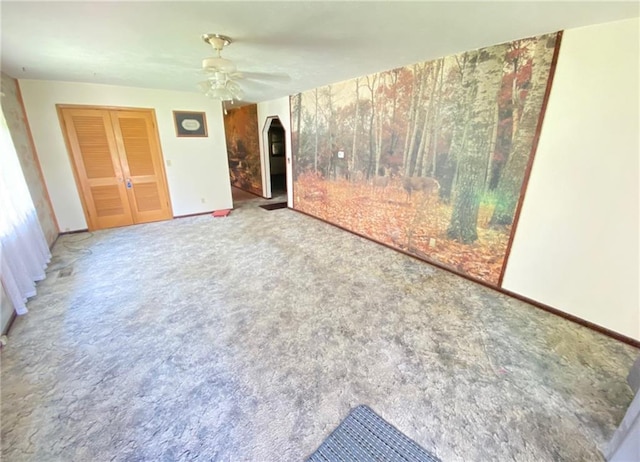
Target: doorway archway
274, 164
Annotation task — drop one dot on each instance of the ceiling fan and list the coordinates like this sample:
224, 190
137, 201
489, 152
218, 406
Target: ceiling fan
221, 72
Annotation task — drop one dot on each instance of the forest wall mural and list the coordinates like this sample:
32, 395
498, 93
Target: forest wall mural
243, 148
429, 158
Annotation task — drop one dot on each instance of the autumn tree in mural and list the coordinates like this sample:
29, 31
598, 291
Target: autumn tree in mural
243, 149
429, 158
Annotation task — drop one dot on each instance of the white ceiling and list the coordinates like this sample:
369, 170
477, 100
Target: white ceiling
298, 45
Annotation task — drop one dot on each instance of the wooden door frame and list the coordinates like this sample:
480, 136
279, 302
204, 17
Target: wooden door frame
79, 189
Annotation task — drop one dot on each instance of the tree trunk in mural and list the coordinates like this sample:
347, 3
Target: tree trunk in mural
414, 119
424, 131
331, 168
429, 131
471, 154
380, 116
449, 164
515, 86
352, 163
516, 103
411, 116
492, 148
298, 119
379, 128
436, 120
317, 130
510, 182
394, 135
371, 84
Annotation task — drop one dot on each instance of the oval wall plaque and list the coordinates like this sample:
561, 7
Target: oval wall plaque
190, 124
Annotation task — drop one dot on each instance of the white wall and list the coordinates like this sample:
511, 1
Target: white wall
198, 174
277, 107
576, 245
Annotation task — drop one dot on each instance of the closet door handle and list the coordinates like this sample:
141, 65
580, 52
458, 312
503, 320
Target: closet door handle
129, 185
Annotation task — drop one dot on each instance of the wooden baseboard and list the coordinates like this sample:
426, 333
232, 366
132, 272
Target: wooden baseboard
602, 330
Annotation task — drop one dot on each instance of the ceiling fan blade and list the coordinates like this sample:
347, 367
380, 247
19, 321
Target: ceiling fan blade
272, 77
255, 84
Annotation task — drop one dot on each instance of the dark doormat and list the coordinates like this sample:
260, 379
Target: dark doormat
276, 206
365, 436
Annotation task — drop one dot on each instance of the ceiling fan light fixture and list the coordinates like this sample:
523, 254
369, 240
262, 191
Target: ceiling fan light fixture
219, 72
236, 93
220, 93
218, 63
217, 77
224, 91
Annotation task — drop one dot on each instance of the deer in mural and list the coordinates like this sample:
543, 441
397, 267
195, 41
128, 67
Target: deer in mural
427, 185
379, 183
422, 211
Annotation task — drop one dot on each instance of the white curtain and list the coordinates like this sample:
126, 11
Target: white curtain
24, 253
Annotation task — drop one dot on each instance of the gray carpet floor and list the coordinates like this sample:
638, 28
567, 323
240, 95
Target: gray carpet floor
251, 337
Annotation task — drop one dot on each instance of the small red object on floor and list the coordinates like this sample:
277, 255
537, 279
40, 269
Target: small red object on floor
221, 213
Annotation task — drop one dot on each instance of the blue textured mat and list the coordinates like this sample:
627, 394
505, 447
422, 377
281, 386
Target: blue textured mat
365, 436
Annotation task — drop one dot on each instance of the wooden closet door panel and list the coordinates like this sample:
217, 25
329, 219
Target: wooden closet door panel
98, 171
142, 165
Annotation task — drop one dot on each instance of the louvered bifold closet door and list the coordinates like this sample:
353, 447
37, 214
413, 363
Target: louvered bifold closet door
139, 149
98, 168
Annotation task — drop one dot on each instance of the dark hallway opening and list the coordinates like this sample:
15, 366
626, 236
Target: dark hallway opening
277, 163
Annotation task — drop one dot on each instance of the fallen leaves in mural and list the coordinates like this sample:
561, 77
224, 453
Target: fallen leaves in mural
416, 224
